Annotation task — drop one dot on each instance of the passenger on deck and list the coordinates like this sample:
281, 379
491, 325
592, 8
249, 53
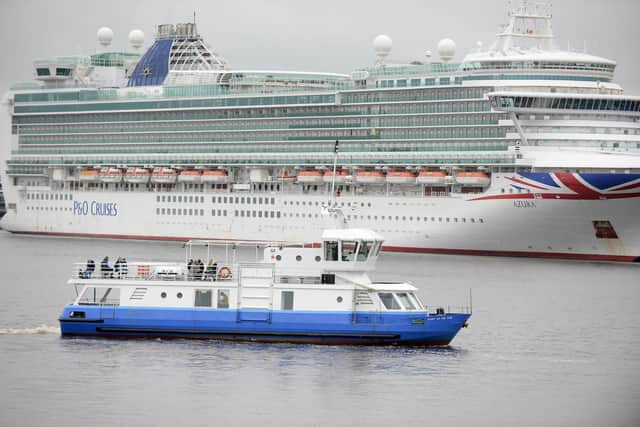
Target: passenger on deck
124, 268
212, 270
105, 269
116, 268
89, 269
199, 269
190, 268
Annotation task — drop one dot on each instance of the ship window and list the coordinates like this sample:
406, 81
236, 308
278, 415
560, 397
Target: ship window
63, 71
349, 250
389, 301
203, 298
331, 251
94, 295
43, 71
406, 302
287, 300
365, 249
223, 298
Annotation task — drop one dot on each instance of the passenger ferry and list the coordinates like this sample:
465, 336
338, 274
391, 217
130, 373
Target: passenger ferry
295, 293
519, 149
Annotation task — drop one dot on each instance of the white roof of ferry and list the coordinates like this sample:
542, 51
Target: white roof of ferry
351, 234
393, 287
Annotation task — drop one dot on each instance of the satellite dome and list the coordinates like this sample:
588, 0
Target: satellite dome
382, 44
105, 35
446, 49
136, 38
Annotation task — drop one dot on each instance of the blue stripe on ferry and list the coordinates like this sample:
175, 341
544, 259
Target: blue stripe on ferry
153, 67
543, 178
602, 181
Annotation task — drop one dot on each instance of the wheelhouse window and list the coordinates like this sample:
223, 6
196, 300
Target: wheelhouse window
389, 302
331, 251
349, 248
405, 301
364, 250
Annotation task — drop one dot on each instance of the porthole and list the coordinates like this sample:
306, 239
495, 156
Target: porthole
278, 258
298, 257
179, 294
318, 259
163, 295
339, 299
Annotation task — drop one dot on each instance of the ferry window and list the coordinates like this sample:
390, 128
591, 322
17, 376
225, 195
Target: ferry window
389, 301
287, 300
203, 298
406, 302
376, 249
223, 298
331, 251
173, 211
415, 301
349, 250
97, 295
365, 249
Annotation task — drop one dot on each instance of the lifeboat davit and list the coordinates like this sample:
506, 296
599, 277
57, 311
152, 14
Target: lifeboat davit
401, 177
473, 178
283, 175
309, 177
111, 175
432, 178
137, 176
341, 176
217, 176
189, 176
89, 175
164, 176
370, 177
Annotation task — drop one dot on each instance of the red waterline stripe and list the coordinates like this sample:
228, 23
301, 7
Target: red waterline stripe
482, 252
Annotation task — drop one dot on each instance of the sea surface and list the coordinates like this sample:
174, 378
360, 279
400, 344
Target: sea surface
550, 342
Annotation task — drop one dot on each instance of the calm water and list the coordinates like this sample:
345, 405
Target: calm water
550, 343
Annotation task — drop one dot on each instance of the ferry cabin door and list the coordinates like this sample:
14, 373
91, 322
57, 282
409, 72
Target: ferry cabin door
255, 293
107, 311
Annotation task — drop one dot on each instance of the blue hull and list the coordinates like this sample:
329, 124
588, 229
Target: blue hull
363, 328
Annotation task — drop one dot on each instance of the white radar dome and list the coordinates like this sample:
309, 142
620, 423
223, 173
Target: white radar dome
382, 44
446, 49
105, 35
136, 38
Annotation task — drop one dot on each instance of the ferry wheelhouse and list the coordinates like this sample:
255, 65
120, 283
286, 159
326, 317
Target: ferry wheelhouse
294, 293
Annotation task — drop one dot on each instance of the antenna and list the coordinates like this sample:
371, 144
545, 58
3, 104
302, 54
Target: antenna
333, 178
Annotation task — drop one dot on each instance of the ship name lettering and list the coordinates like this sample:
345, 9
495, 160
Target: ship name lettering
523, 204
93, 208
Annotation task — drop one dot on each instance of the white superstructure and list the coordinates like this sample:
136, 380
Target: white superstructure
520, 149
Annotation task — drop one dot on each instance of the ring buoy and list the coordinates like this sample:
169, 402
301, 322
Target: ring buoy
224, 273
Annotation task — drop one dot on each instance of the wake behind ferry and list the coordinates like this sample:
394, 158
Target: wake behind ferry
521, 149
297, 294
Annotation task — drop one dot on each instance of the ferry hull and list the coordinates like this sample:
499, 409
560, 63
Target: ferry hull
331, 328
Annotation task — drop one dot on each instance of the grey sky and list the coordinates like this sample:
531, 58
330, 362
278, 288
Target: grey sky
327, 35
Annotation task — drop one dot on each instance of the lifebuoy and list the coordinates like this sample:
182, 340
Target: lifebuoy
224, 273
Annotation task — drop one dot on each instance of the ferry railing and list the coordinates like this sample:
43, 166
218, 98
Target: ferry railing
162, 271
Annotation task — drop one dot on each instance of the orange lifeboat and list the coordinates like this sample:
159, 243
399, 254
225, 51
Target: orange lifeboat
432, 178
89, 175
137, 176
473, 178
401, 177
189, 176
283, 175
111, 175
215, 176
164, 176
309, 177
370, 177
341, 176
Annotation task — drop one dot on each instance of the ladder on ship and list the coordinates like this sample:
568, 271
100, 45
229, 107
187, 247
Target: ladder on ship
255, 292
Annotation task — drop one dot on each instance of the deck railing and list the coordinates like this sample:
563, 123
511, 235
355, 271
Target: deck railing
145, 271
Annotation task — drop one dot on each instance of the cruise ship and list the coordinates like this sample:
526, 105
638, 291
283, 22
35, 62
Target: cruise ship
520, 149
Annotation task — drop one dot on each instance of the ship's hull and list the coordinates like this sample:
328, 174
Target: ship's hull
334, 328
497, 225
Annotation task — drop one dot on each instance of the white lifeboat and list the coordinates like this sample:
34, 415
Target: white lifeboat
309, 177
283, 175
401, 177
164, 176
189, 176
432, 178
217, 176
137, 176
370, 177
88, 175
111, 175
341, 176
473, 178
